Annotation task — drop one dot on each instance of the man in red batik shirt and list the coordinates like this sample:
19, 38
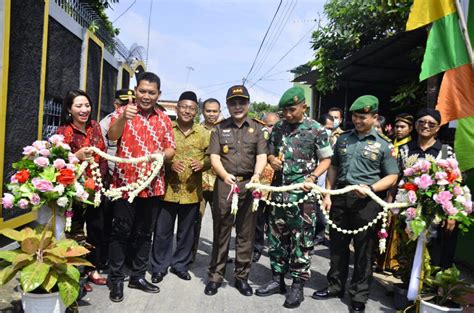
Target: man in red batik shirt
140, 130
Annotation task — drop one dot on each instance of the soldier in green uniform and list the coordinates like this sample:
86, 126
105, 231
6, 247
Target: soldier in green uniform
296, 145
361, 157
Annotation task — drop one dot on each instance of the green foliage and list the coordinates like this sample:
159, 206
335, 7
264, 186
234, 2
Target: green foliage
100, 6
44, 262
409, 95
258, 109
351, 25
445, 287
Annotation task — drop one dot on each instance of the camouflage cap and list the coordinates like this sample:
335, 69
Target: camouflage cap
365, 104
292, 96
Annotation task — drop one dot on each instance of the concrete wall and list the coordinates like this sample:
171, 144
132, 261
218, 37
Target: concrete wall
24, 76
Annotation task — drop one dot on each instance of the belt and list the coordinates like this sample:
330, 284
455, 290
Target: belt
242, 178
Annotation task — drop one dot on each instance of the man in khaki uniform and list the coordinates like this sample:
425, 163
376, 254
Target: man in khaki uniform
238, 152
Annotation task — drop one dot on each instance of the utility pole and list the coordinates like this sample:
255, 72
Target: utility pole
148, 36
187, 76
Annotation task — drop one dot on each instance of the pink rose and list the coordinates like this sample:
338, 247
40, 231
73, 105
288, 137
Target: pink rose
39, 145
56, 139
41, 161
23, 204
65, 146
468, 207
13, 180
42, 185
412, 196
73, 159
7, 200
424, 166
424, 181
44, 152
441, 178
443, 197
35, 199
59, 164
29, 150
72, 167
453, 163
457, 190
449, 208
410, 213
442, 163
382, 234
408, 172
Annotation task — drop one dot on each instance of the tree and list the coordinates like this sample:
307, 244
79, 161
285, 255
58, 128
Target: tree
351, 25
258, 109
99, 6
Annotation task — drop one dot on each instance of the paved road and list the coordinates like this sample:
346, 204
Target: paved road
187, 296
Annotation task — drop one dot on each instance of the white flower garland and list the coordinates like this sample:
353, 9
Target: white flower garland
317, 191
133, 189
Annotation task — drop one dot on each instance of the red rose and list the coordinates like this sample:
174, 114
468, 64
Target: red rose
66, 177
410, 186
452, 176
89, 184
22, 176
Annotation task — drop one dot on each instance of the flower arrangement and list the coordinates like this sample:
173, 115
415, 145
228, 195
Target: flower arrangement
48, 174
433, 187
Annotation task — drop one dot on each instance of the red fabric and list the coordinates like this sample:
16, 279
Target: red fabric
77, 139
144, 135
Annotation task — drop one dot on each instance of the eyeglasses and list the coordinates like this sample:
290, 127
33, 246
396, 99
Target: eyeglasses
427, 123
187, 107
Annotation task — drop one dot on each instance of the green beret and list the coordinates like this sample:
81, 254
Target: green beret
292, 96
365, 104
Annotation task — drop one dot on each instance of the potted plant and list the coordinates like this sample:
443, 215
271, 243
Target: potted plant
445, 292
47, 269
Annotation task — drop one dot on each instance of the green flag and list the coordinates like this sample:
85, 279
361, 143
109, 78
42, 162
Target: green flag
445, 48
464, 143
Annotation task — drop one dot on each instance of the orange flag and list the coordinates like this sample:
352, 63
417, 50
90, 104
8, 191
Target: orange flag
456, 95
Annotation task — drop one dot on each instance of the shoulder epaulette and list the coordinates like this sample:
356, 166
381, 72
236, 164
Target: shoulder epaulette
385, 138
258, 121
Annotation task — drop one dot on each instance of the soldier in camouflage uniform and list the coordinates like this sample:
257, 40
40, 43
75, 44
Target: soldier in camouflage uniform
295, 146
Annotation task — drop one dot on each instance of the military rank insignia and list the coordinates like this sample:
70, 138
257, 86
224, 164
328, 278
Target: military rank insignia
266, 135
225, 149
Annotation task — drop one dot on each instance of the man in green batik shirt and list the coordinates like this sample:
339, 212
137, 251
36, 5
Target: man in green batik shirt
366, 158
296, 145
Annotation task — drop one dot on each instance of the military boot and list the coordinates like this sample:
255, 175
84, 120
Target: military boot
275, 285
295, 296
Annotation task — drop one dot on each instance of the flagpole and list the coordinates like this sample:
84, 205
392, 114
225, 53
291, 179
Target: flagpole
465, 33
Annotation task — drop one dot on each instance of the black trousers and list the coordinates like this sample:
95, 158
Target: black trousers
350, 212
162, 252
131, 220
93, 218
262, 220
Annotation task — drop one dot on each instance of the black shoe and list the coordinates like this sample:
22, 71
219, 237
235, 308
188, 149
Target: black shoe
326, 294
116, 291
157, 277
274, 286
256, 256
143, 285
295, 296
243, 287
211, 288
358, 306
183, 275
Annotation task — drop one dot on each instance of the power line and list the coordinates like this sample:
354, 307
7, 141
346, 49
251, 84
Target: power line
131, 5
272, 33
284, 56
263, 40
278, 33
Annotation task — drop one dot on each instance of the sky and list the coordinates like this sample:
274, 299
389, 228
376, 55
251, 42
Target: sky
219, 40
